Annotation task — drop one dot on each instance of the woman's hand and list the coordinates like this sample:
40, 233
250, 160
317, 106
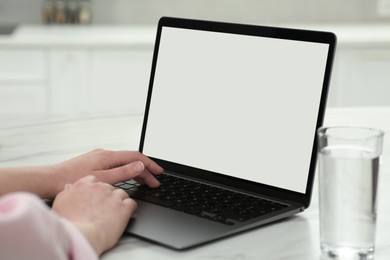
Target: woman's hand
107, 166
97, 209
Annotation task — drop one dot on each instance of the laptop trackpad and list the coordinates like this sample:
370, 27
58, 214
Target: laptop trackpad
173, 228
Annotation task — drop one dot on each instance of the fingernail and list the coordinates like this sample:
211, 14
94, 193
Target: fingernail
138, 166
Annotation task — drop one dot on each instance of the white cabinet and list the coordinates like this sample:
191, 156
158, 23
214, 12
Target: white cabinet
361, 77
72, 69
23, 81
72, 80
67, 71
95, 79
118, 79
104, 80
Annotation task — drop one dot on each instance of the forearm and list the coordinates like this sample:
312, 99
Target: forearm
39, 180
108, 166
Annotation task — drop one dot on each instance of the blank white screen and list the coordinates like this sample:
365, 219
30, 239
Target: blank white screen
243, 106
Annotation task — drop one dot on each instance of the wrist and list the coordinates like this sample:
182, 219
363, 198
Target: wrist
53, 182
58, 176
92, 235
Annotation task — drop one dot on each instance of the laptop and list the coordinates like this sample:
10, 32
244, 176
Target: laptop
231, 115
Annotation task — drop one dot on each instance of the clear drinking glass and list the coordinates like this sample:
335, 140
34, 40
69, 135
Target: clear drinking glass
348, 178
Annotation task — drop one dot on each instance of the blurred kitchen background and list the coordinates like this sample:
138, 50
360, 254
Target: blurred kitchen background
133, 12
80, 56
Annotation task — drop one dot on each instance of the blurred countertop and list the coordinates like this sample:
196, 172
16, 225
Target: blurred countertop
25, 35
79, 36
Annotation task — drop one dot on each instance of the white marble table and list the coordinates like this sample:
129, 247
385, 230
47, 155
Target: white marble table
43, 139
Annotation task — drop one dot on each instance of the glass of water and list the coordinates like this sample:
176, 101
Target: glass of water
348, 179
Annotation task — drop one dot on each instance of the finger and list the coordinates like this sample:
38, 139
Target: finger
121, 193
119, 158
147, 179
88, 178
109, 186
122, 173
151, 165
131, 204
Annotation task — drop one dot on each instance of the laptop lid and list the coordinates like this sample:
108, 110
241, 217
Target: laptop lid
238, 104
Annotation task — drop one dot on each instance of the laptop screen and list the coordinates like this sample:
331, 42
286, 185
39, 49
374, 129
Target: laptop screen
240, 105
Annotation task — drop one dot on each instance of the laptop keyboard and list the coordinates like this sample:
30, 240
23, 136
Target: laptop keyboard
203, 200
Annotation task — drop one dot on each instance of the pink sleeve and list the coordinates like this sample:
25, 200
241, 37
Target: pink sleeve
30, 230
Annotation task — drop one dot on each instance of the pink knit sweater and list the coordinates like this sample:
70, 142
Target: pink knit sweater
30, 230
